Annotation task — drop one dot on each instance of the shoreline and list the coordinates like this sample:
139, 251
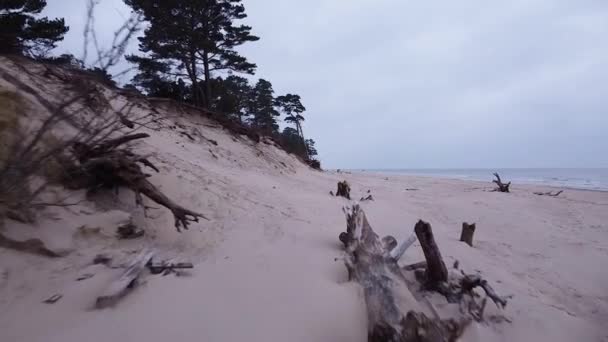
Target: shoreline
525, 184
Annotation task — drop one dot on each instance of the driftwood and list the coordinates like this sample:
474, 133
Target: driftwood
53, 299
167, 268
392, 311
549, 193
368, 198
343, 190
121, 286
502, 187
436, 272
467, 233
105, 165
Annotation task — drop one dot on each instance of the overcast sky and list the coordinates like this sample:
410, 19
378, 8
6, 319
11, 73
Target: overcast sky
429, 84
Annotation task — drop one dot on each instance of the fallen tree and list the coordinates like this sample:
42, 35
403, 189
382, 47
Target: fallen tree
392, 311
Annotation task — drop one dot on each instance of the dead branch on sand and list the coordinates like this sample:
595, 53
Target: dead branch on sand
502, 187
549, 193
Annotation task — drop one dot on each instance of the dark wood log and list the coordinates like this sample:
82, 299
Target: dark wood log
392, 311
502, 187
466, 235
436, 272
121, 286
343, 190
549, 193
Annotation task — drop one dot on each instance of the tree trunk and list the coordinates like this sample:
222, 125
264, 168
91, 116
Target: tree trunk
301, 133
207, 93
393, 314
467, 233
436, 272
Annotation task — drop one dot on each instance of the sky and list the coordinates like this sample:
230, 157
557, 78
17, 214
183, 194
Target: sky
427, 84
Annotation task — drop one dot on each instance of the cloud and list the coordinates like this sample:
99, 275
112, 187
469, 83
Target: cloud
395, 84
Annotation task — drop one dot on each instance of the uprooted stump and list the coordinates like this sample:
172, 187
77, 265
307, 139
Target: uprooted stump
343, 190
105, 165
392, 311
502, 187
466, 235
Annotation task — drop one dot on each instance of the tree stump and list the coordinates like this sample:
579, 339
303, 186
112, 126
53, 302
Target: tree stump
393, 314
467, 233
343, 190
436, 272
502, 187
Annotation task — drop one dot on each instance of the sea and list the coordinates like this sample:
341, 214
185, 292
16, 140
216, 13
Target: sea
586, 179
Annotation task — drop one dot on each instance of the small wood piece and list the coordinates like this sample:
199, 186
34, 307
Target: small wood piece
160, 268
467, 233
393, 314
53, 299
343, 190
368, 198
398, 252
549, 193
502, 187
436, 272
417, 266
121, 286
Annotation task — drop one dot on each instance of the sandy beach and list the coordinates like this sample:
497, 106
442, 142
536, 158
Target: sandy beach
267, 264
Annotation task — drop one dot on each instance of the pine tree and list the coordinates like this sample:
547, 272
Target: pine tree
22, 33
292, 106
310, 148
195, 38
262, 106
234, 96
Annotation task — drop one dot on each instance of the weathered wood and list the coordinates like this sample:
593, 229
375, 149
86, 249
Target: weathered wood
436, 272
466, 235
121, 286
398, 252
392, 311
343, 190
502, 187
